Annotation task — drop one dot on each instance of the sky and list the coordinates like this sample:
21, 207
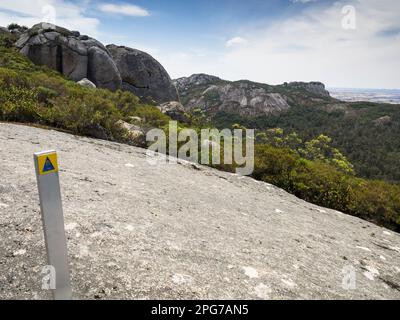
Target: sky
343, 43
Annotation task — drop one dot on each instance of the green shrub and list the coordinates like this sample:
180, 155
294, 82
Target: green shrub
377, 201
16, 26
44, 95
30, 93
320, 183
274, 165
7, 40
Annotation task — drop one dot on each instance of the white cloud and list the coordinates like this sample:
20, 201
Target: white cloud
313, 45
124, 9
236, 41
60, 12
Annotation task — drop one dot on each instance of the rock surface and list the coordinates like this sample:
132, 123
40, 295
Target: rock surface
143, 75
71, 54
212, 95
174, 110
86, 83
185, 83
134, 132
179, 231
317, 88
383, 121
102, 69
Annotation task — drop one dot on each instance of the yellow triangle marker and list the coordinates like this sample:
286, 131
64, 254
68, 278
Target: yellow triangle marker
48, 163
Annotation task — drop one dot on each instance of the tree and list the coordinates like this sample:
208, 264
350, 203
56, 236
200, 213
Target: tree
320, 149
17, 27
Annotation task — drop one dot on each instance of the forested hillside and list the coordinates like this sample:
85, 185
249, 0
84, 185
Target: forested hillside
367, 133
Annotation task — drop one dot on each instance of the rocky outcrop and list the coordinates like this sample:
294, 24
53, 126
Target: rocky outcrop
242, 99
174, 110
102, 69
317, 88
71, 54
133, 134
86, 83
78, 56
134, 130
185, 83
245, 98
143, 75
383, 121
95, 130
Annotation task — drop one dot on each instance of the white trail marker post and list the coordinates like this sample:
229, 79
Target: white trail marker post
46, 167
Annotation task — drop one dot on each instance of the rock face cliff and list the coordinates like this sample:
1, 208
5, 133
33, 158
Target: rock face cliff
245, 98
174, 110
71, 54
143, 75
317, 88
223, 237
186, 83
78, 56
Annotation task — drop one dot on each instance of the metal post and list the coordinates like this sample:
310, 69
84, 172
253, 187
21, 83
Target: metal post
46, 167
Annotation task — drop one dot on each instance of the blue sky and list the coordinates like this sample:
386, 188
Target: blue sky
344, 43
193, 25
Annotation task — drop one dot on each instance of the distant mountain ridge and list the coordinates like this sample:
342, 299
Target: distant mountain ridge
246, 98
